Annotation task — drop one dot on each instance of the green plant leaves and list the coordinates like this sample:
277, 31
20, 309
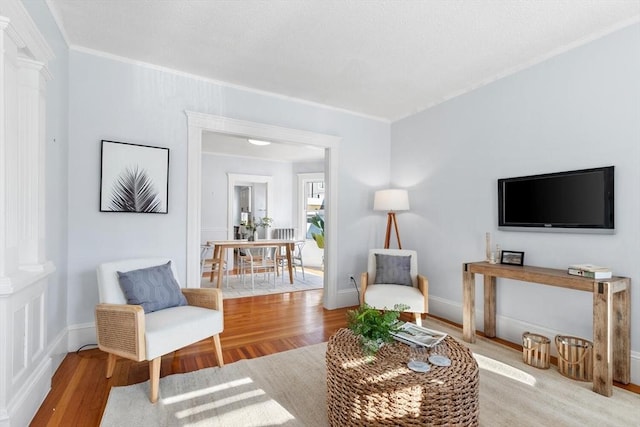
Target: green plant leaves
374, 326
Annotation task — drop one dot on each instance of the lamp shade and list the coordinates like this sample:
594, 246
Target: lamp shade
391, 200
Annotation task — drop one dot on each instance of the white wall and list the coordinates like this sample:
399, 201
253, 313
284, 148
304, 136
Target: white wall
111, 99
574, 111
214, 191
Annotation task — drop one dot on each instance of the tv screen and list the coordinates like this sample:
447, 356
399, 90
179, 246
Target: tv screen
579, 200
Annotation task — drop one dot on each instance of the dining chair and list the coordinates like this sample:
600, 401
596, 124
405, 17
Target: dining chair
296, 260
259, 260
209, 265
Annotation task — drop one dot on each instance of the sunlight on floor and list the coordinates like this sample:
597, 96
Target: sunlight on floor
235, 406
204, 391
505, 370
220, 403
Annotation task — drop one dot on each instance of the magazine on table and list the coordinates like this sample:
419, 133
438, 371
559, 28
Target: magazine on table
413, 334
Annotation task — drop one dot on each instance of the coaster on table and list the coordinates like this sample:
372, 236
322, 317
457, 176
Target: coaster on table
418, 366
439, 360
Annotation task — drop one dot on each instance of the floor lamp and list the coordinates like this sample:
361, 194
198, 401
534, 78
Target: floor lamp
391, 201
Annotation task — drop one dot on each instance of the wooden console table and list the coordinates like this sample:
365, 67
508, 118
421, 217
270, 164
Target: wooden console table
611, 313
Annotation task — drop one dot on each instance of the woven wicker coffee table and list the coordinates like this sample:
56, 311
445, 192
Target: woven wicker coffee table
386, 392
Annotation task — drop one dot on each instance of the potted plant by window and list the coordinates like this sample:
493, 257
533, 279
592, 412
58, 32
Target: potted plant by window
374, 326
318, 221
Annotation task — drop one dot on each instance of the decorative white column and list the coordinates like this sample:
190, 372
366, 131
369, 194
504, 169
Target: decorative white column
31, 164
25, 365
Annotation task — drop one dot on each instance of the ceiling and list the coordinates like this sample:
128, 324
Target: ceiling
380, 58
237, 146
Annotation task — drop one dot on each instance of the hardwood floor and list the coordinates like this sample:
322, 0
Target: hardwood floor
254, 327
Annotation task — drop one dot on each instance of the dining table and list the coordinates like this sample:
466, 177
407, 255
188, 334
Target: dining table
220, 247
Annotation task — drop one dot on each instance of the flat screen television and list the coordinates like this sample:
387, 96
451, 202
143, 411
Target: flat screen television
571, 201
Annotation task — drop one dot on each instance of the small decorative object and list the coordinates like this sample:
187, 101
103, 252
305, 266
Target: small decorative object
251, 227
512, 257
265, 223
134, 178
440, 360
374, 326
487, 248
318, 221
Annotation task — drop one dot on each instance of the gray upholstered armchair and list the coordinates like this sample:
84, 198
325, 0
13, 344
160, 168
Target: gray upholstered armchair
143, 314
392, 278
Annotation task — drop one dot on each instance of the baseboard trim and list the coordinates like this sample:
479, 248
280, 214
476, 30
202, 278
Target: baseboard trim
26, 402
347, 298
81, 336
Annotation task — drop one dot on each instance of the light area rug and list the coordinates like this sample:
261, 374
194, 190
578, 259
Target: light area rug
237, 289
289, 389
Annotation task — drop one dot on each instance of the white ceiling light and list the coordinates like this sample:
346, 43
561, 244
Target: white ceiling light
258, 142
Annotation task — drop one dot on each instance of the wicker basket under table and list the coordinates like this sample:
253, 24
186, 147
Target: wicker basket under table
386, 392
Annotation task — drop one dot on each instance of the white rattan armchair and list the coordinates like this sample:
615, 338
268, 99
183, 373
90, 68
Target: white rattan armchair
386, 295
125, 330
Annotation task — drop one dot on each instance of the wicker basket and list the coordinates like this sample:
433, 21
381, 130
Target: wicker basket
384, 392
575, 357
535, 350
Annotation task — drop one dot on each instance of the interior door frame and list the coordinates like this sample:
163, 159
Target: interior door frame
197, 123
234, 179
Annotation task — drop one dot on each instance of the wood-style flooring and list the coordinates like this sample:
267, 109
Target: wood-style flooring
253, 327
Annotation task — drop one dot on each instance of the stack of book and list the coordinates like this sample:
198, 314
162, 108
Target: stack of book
415, 335
589, 270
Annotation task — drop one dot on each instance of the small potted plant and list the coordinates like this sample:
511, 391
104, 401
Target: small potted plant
265, 223
251, 227
318, 221
374, 326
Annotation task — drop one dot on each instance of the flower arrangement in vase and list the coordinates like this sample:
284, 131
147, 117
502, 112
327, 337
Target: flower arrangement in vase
265, 223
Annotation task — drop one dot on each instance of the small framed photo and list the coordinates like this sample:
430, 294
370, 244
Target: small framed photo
512, 257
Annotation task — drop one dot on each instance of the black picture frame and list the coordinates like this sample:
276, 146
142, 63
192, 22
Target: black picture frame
512, 257
134, 178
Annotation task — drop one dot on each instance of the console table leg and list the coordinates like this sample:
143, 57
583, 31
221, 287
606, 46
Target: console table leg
622, 335
490, 306
602, 360
468, 305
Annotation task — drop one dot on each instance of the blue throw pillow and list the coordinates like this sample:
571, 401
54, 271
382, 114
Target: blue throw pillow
154, 288
393, 269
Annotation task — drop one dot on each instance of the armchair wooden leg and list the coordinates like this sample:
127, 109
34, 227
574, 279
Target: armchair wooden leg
111, 364
154, 376
218, 348
418, 319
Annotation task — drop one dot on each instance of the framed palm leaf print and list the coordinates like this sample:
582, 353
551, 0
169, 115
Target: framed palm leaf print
134, 178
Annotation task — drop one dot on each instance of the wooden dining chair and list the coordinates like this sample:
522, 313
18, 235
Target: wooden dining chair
209, 265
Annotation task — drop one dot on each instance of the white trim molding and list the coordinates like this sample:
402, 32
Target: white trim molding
201, 122
25, 362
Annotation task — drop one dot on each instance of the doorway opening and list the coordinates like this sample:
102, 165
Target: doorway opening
199, 123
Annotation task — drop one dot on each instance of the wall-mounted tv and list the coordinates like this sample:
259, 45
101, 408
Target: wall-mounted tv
571, 201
